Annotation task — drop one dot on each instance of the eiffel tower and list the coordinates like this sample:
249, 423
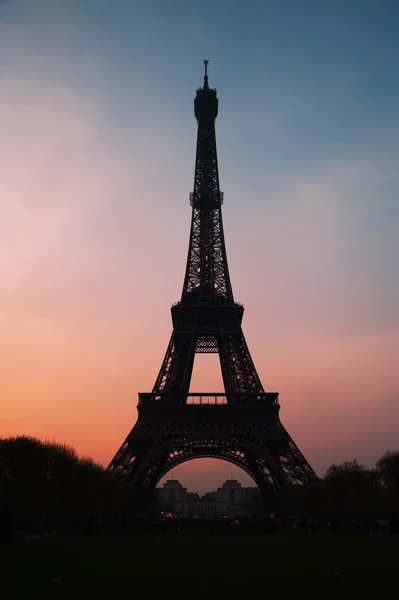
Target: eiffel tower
242, 424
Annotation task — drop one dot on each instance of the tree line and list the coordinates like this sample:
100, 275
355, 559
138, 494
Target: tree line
45, 486
347, 492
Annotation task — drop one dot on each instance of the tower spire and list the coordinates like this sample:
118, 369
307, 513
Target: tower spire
207, 275
206, 63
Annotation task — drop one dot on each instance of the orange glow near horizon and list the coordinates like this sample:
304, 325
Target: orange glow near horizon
94, 225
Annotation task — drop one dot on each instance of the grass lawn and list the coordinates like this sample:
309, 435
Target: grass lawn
200, 565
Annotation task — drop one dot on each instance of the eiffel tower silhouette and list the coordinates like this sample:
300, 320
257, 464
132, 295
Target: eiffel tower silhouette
241, 425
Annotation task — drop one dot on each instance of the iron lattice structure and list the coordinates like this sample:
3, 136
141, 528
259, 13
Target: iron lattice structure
242, 425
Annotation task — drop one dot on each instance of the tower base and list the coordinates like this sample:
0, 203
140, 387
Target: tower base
247, 433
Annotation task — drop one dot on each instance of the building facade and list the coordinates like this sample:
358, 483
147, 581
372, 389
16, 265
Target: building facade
172, 491
230, 500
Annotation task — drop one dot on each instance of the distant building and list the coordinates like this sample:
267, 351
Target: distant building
229, 500
192, 497
232, 491
202, 509
172, 491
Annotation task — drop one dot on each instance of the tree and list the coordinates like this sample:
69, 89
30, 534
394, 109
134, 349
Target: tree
352, 491
387, 467
47, 485
347, 492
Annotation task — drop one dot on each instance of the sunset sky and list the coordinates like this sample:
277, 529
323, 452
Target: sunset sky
97, 148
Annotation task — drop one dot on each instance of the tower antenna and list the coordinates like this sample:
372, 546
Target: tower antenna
206, 63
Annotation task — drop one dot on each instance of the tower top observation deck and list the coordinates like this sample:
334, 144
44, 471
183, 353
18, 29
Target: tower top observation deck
206, 102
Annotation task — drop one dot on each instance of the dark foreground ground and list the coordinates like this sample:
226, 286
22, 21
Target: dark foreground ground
200, 565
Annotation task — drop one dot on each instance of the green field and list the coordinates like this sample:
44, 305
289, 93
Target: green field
201, 565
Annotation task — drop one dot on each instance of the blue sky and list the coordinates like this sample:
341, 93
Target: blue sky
322, 72
97, 161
